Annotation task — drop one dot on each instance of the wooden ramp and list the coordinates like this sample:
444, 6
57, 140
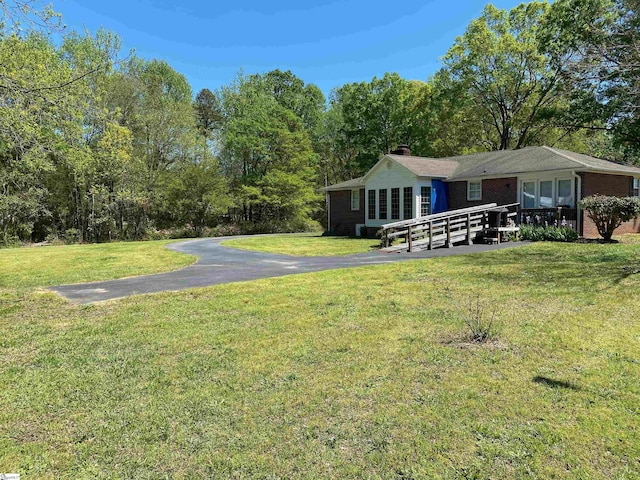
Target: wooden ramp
439, 229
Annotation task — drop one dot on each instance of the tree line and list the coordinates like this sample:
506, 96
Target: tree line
98, 146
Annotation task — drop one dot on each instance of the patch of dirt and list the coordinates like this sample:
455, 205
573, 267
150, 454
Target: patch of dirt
463, 343
631, 269
597, 240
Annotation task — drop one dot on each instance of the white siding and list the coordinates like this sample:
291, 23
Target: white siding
390, 175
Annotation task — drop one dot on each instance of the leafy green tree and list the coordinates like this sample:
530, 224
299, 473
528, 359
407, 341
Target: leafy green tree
602, 40
511, 87
208, 112
306, 101
375, 117
338, 152
263, 141
195, 193
34, 120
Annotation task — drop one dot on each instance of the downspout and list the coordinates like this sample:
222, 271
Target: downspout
328, 200
578, 198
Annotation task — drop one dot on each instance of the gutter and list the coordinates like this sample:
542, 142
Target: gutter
327, 199
578, 198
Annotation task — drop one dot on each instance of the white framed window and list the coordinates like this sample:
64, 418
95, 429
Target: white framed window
474, 190
635, 187
425, 201
408, 202
564, 196
355, 199
528, 194
547, 193
372, 204
382, 196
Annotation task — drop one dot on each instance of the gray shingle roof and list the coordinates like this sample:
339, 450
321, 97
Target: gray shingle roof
426, 167
531, 160
348, 185
504, 162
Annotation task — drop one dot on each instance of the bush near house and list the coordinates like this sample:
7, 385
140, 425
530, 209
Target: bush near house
534, 233
608, 212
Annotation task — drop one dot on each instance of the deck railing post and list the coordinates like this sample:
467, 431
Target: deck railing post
409, 238
430, 234
449, 244
469, 239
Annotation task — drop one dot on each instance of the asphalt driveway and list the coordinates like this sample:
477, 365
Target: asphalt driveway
218, 264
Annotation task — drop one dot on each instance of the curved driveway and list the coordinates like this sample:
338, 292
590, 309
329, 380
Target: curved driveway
218, 264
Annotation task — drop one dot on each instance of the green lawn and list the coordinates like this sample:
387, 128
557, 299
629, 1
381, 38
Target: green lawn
358, 373
45, 266
304, 244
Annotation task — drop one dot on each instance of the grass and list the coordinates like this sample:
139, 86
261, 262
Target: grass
304, 244
46, 266
357, 373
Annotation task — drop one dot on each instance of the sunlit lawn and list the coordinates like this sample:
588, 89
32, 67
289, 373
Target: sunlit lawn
55, 265
356, 373
304, 244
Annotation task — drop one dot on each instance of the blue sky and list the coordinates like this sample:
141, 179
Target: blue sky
326, 42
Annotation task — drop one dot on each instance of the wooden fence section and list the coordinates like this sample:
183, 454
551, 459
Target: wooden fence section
440, 229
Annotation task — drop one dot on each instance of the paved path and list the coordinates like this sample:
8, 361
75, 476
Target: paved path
218, 264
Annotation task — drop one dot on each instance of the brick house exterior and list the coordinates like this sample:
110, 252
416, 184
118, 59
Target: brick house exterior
603, 184
540, 179
502, 191
346, 221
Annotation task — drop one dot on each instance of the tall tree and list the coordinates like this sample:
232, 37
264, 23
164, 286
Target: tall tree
602, 40
208, 112
32, 127
376, 116
268, 155
511, 86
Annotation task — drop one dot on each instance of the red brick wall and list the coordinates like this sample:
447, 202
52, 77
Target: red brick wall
495, 190
617, 185
343, 219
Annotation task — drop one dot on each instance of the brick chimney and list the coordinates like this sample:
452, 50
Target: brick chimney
402, 150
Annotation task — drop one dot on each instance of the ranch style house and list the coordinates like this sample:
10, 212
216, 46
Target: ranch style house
547, 182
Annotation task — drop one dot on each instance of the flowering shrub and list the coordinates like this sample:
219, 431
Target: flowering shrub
608, 213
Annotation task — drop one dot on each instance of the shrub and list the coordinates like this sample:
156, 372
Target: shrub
72, 235
479, 319
222, 230
534, 233
608, 212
